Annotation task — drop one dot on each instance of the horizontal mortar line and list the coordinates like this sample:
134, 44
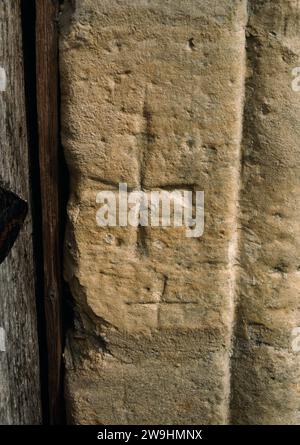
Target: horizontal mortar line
129, 303
155, 187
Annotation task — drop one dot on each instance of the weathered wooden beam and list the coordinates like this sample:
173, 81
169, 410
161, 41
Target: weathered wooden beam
19, 356
48, 129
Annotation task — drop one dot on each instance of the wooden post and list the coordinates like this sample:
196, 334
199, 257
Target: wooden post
19, 356
48, 128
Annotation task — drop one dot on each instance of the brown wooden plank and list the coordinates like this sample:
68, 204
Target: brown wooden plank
48, 129
19, 357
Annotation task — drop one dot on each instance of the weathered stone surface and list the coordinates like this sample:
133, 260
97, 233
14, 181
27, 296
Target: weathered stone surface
153, 95
266, 371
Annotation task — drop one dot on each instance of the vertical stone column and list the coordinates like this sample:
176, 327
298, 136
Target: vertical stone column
265, 369
152, 95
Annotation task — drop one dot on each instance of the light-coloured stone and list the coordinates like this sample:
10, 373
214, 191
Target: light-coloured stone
266, 371
153, 94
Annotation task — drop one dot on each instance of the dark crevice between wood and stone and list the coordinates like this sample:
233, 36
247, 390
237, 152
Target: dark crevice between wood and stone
29, 35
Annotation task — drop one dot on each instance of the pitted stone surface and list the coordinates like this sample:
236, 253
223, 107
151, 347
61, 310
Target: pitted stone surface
177, 95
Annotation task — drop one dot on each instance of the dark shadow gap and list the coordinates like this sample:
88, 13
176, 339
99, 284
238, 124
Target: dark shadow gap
29, 55
29, 51
67, 302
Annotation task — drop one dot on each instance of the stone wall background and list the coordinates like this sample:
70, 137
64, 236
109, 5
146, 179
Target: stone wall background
173, 95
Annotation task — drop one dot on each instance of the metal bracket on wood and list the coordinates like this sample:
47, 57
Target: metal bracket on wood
13, 211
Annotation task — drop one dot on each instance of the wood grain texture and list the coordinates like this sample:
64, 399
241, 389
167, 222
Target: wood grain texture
47, 100
19, 360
